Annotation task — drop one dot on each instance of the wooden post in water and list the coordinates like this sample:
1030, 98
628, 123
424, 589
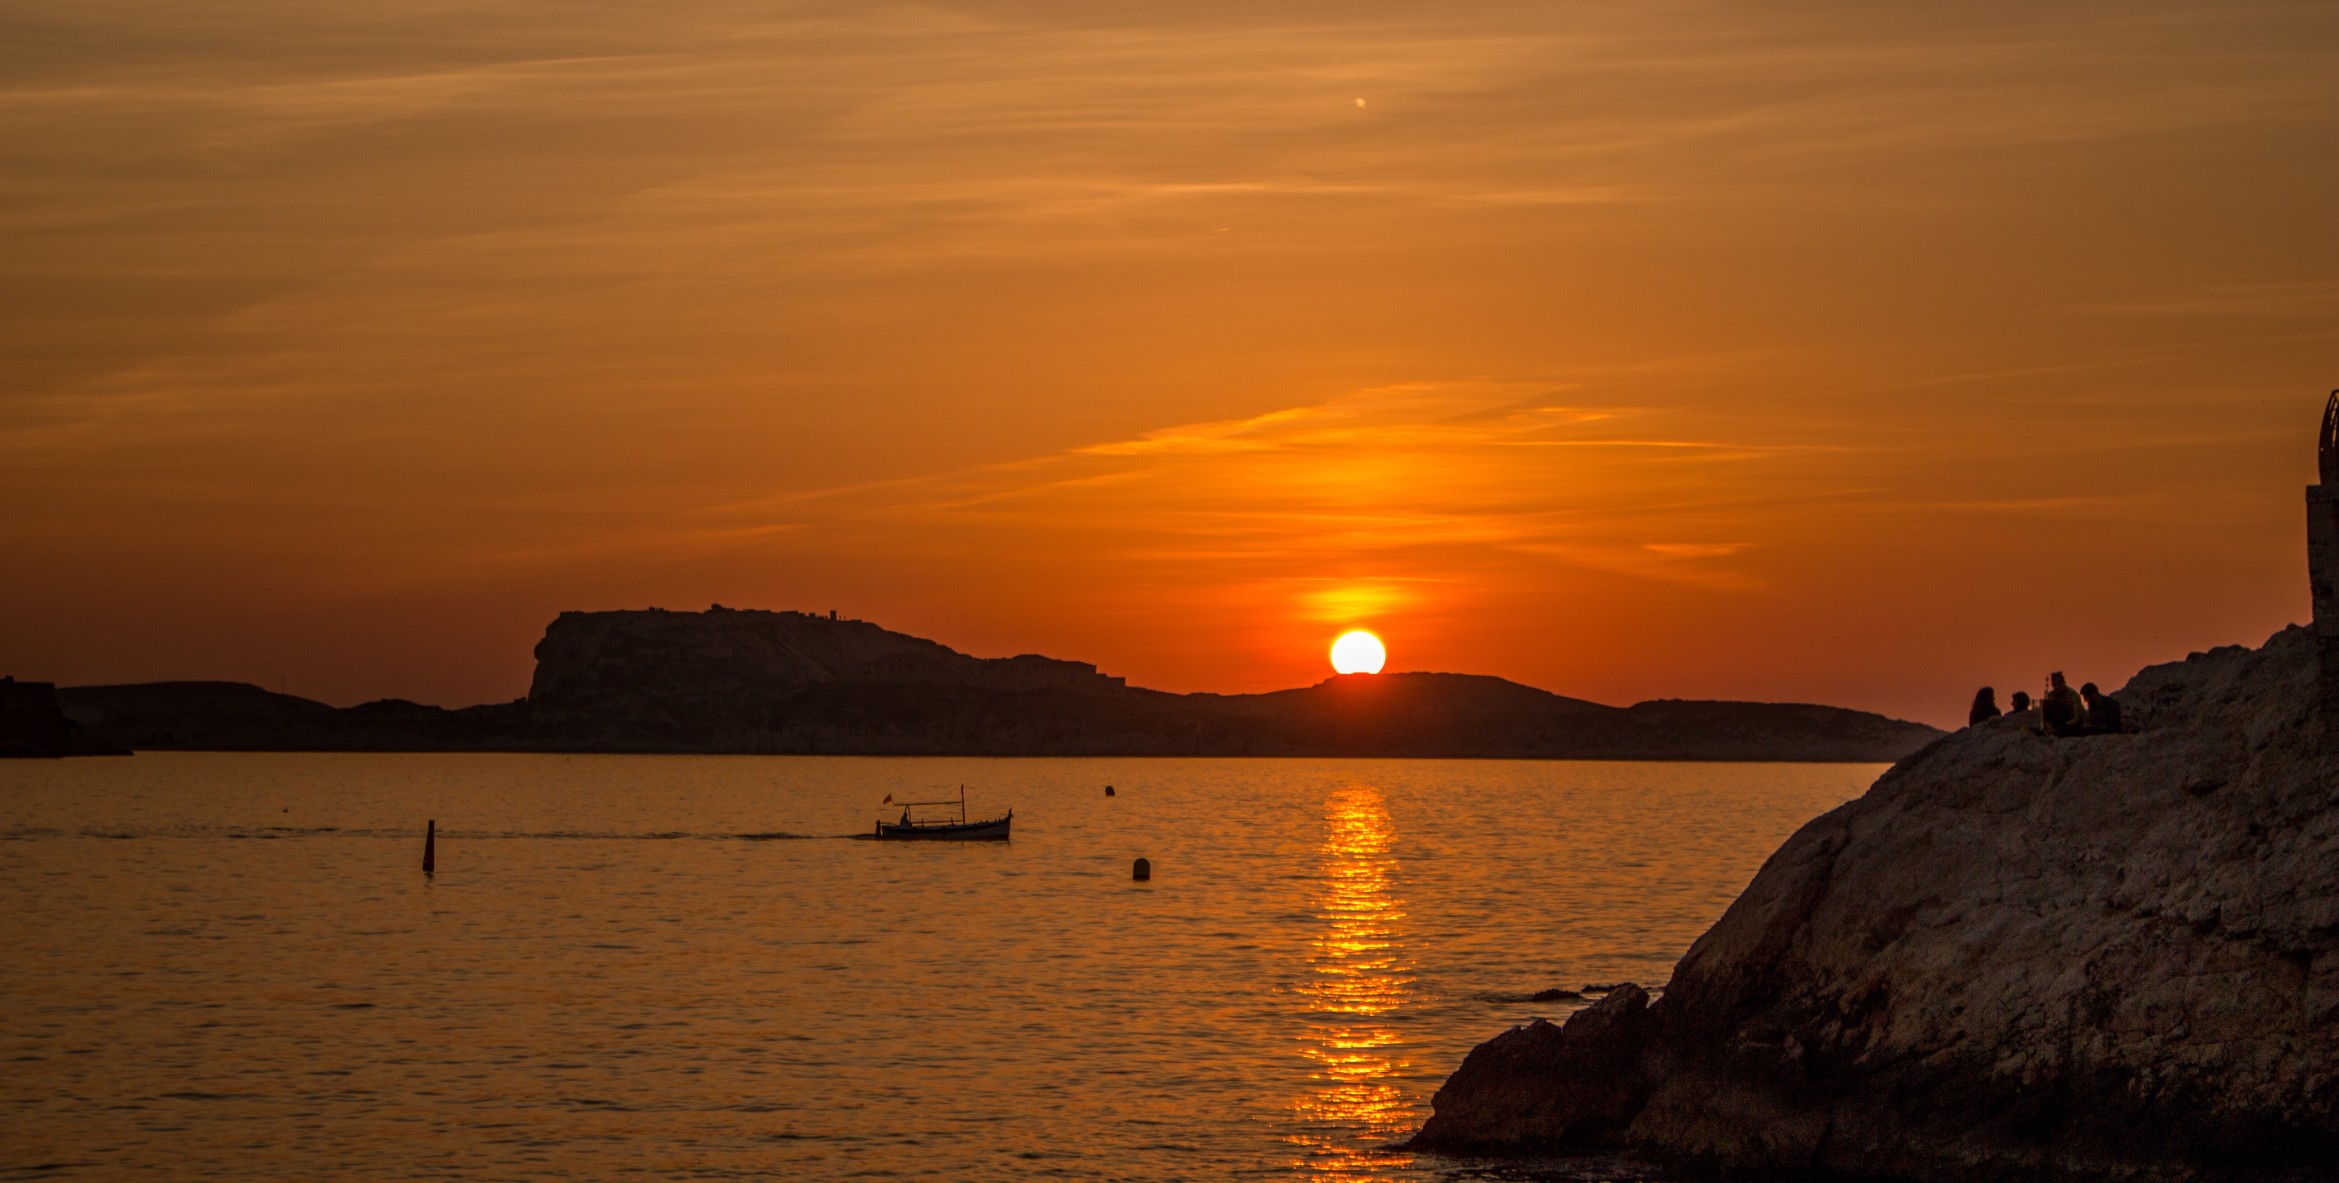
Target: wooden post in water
1142, 872
430, 848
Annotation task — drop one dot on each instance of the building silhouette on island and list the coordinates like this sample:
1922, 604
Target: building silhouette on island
2323, 569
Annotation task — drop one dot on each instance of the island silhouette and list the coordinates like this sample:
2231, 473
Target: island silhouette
783, 682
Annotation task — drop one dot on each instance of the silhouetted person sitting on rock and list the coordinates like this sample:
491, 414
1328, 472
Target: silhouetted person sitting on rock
1985, 707
2103, 711
2062, 711
2020, 701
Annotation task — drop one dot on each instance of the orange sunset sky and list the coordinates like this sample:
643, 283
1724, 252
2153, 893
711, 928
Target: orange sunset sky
1823, 351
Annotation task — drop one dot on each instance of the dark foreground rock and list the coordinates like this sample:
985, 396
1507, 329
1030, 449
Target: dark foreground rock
2112, 957
32, 725
790, 682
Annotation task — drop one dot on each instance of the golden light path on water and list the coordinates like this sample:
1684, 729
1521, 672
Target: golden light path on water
228, 965
1355, 1105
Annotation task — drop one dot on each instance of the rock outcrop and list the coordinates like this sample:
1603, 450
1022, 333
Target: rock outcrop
719, 676
2111, 957
32, 725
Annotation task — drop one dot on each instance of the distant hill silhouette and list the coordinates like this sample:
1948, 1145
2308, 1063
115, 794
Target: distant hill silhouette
789, 682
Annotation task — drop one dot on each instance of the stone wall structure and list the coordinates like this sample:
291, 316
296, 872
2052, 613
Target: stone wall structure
2323, 569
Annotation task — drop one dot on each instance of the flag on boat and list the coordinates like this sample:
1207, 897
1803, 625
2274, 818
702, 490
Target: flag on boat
888, 799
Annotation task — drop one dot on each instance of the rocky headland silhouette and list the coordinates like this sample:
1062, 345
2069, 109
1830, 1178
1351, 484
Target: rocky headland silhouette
735, 681
32, 724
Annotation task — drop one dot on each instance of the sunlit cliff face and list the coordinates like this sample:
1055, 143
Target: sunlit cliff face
1360, 978
1853, 353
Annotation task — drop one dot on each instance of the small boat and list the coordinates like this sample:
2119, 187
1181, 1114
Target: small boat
944, 820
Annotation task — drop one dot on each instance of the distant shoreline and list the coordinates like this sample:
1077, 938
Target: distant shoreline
734, 682
953, 756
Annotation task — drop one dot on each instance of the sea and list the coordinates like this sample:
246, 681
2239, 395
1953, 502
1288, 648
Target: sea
232, 966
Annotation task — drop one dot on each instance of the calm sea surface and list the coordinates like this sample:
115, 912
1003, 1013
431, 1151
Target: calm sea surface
231, 965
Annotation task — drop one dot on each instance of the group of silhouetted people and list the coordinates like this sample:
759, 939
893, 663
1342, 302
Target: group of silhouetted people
2064, 711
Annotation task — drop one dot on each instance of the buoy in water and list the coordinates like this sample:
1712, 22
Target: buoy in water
1108, 790
430, 847
1142, 872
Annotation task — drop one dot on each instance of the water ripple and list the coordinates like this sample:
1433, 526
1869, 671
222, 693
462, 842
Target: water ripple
230, 966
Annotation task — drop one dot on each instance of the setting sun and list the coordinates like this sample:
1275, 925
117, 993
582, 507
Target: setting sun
1358, 652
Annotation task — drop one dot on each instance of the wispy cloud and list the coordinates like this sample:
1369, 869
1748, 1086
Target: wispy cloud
1696, 550
2298, 298
1389, 473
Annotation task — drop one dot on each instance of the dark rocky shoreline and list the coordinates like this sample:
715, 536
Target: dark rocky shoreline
2105, 958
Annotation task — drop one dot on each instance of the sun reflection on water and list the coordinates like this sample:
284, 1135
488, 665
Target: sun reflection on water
1359, 981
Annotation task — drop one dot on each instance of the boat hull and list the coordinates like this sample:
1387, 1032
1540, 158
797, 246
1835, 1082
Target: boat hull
993, 830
